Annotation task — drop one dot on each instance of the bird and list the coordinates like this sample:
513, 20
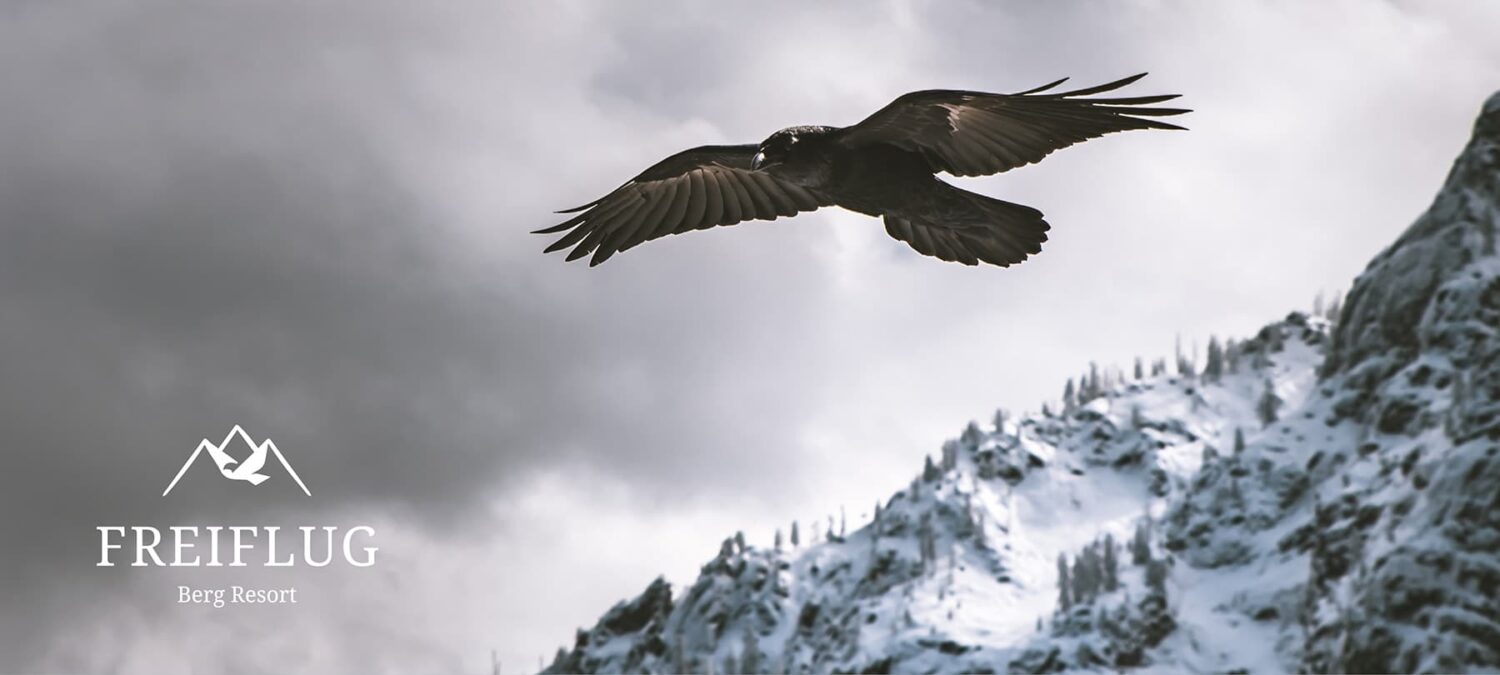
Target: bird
885, 166
248, 470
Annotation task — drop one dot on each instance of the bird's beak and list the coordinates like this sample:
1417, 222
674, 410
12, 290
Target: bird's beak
758, 161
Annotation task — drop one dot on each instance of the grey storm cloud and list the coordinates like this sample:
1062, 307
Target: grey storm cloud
209, 220
311, 220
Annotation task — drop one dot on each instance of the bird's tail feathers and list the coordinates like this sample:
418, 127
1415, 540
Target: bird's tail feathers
971, 228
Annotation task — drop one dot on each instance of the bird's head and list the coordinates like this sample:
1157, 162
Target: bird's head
778, 148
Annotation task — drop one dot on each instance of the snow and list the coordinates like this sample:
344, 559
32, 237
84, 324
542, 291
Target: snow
993, 577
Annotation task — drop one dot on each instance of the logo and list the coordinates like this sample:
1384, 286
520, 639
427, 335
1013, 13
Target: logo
247, 469
238, 457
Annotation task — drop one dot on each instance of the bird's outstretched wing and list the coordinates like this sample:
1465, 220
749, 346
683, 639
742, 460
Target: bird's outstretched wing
972, 133
692, 190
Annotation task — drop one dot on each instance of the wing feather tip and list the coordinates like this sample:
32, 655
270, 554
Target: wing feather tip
576, 209
555, 247
1042, 88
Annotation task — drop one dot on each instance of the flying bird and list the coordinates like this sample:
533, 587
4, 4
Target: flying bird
884, 166
248, 470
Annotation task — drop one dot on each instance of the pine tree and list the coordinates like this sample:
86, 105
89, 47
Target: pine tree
972, 436
1085, 581
1140, 546
1268, 405
1156, 576
927, 543
930, 471
777, 541
1000, 421
1213, 366
843, 522
1064, 584
739, 541
1111, 565
1140, 369
1070, 398
796, 538
1239, 441
1096, 570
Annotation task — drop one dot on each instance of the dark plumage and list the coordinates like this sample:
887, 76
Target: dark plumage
883, 166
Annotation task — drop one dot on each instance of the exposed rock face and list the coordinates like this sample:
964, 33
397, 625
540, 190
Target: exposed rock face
1405, 568
637, 625
1431, 291
1327, 499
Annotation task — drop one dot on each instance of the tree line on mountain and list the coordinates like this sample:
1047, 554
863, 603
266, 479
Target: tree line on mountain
1095, 570
1227, 357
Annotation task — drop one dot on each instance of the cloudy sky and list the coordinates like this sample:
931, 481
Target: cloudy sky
311, 220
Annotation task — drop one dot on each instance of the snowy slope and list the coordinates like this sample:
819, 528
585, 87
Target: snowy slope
1323, 497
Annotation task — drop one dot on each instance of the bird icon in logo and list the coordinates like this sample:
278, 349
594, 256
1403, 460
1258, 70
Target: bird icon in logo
247, 469
233, 469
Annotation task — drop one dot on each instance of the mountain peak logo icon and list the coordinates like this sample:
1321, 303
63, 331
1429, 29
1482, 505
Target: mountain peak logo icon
248, 468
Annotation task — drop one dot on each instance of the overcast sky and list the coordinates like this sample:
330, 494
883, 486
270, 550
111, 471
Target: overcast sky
311, 220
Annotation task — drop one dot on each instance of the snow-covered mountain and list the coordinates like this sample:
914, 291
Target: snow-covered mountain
1324, 496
